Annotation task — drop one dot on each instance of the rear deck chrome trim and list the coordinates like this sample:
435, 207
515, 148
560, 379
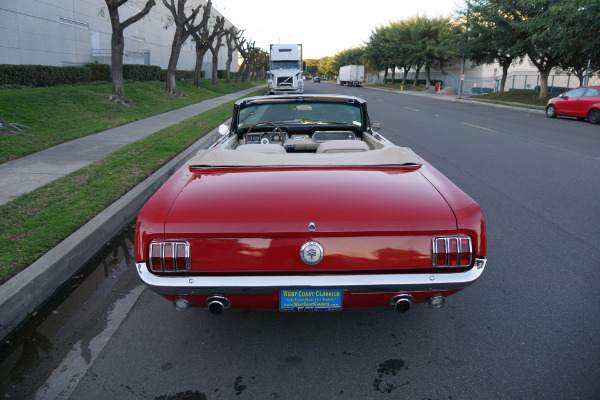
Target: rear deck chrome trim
365, 283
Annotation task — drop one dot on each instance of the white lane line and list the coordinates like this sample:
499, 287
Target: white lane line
412, 109
480, 127
64, 379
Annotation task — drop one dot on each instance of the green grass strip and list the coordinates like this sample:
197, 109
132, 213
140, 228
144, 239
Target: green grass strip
34, 223
515, 98
59, 114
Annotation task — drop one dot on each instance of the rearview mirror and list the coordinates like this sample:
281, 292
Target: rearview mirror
376, 126
223, 130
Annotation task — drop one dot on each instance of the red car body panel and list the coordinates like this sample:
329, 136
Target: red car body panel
576, 106
376, 224
250, 213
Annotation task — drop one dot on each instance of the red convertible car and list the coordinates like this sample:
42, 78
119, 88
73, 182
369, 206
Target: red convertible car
301, 205
582, 102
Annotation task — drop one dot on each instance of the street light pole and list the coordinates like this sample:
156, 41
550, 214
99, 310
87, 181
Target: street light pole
462, 64
462, 77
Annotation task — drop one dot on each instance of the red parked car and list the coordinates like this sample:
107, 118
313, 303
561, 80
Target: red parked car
582, 102
302, 205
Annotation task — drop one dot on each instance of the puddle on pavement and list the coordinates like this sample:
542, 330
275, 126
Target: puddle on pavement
48, 335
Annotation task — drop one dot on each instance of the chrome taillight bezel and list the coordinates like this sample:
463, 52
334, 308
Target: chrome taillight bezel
447, 242
176, 248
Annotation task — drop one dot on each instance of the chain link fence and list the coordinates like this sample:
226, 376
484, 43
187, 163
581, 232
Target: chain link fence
557, 84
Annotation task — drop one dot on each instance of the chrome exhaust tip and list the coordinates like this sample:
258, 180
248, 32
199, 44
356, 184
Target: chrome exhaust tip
401, 303
182, 304
217, 304
436, 301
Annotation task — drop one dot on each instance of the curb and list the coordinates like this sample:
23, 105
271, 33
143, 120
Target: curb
24, 293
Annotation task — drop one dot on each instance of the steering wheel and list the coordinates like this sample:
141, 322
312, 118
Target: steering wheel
265, 123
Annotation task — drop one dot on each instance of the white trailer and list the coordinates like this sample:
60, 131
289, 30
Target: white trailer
351, 75
286, 68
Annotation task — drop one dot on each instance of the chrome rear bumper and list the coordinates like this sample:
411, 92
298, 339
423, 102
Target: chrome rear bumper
366, 283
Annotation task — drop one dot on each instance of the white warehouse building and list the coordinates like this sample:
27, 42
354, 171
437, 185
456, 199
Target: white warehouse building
78, 32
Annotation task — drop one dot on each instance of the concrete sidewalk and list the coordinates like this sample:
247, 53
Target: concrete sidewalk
26, 174
28, 290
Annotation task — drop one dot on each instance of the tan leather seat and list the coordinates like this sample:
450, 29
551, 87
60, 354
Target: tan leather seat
262, 148
342, 146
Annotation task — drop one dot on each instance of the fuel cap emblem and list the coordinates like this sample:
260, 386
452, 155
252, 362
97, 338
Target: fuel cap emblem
311, 253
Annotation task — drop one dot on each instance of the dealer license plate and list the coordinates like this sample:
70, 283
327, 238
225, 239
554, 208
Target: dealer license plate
310, 300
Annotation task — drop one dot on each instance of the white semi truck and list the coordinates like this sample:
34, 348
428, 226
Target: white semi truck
351, 75
285, 74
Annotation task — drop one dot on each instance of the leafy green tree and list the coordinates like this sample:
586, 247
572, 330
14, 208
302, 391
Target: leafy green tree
327, 66
417, 31
377, 50
353, 56
439, 45
539, 34
397, 47
492, 35
312, 67
579, 37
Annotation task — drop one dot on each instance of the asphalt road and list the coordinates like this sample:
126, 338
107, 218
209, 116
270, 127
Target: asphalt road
527, 329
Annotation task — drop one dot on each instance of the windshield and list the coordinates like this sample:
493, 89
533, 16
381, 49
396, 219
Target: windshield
285, 65
301, 112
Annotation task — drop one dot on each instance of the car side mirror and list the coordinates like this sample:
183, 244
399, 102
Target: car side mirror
376, 126
223, 130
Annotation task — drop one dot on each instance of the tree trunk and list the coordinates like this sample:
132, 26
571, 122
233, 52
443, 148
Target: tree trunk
393, 74
503, 79
416, 76
544, 82
427, 77
405, 76
215, 61
116, 58
385, 74
117, 44
228, 67
200, 53
173, 59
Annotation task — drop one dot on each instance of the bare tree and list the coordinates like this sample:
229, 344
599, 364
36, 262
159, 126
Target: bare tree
118, 44
240, 42
184, 27
231, 35
214, 49
248, 54
204, 39
263, 60
251, 50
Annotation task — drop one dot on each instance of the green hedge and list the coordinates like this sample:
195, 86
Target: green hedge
180, 75
141, 73
221, 74
42, 75
100, 72
13, 76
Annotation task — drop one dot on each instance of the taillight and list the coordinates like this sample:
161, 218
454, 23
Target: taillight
169, 256
452, 251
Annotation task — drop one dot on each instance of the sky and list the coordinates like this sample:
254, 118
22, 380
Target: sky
323, 27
